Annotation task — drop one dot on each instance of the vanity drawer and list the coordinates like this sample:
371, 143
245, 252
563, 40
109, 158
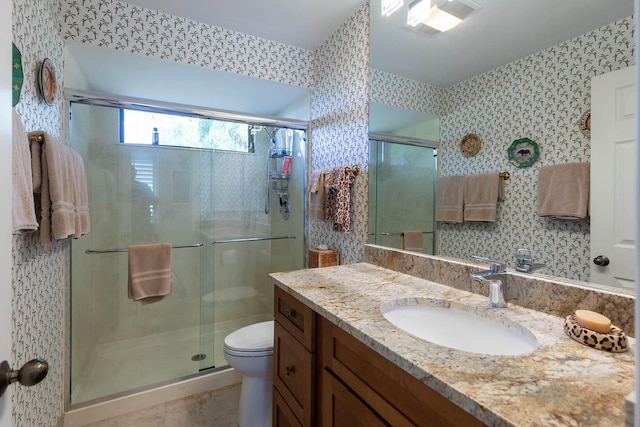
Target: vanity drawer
296, 318
294, 374
282, 414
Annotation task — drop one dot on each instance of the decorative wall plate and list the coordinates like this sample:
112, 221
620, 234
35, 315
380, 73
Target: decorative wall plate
470, 145
47, 82
523, 152
17, 76
585, 123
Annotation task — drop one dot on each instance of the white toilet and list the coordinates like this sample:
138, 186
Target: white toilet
249, 350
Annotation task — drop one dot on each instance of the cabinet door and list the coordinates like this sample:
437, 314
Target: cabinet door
282, 415
293, 374
341, 408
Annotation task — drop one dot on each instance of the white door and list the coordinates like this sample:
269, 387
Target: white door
5, 202
613, 111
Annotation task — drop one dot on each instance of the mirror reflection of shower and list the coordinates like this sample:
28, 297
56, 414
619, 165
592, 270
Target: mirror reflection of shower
402, 178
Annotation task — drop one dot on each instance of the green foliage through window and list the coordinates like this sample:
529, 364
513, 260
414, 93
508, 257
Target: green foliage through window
137, 127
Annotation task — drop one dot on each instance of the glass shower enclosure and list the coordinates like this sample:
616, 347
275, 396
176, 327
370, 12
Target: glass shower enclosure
210, 203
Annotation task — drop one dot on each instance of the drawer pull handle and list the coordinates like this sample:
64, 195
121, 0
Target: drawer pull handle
289, 313
288, 370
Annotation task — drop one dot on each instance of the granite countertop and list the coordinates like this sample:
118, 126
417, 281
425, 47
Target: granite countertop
562, 383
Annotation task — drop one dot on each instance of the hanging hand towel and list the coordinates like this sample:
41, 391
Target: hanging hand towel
338, 184
450, 199
64, 210
150, 273
317, 196
23, 209
411, 241
563, 191
481, 195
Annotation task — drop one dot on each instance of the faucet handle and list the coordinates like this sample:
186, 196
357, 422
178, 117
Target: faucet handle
495, 265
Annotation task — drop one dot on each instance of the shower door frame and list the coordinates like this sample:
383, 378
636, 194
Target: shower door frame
118, 101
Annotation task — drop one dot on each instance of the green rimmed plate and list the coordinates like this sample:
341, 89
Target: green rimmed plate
523, 152
17, 75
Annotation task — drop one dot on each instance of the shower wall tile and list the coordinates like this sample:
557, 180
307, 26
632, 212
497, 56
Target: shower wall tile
540, 97
339, 125
37, 272
130, 28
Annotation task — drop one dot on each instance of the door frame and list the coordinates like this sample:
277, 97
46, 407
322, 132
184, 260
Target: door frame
6, 37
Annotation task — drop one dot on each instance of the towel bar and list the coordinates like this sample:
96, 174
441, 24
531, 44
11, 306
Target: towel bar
36, 138
109, 251
252, 239
399, 233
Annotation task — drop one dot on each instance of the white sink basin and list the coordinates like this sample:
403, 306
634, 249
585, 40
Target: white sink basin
455, 325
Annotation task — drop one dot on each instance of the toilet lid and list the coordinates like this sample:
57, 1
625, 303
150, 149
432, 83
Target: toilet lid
256, 337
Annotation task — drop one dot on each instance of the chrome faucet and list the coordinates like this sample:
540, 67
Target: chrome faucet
524, 262
496, 276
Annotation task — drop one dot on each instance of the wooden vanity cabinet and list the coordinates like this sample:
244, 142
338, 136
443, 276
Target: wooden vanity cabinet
345, 383
388, 392
294, 362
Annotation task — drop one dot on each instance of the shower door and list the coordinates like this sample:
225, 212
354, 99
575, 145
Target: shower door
211, 204
138, 194
401, 193
257, 227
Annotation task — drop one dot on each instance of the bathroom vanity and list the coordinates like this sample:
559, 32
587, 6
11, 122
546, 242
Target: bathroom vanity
339, 361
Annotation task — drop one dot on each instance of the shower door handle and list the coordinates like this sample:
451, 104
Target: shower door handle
30, 374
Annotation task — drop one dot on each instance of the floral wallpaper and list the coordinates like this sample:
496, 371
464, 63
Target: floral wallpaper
122, 26
409, 94
339, 126
540, 97
37, 272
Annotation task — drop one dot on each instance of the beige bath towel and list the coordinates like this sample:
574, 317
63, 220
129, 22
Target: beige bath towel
563, 191
411, 241
150, 273
81, 197
23, 213
36, 165
481, 195
317, 196
450, 199
63, 193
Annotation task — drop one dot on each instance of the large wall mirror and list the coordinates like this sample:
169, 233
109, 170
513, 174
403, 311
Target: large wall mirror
507, 71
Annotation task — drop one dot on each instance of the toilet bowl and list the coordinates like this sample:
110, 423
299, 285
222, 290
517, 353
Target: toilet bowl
249, 350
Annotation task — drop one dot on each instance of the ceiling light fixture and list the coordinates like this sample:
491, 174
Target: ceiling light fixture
440, 20
390, 6
418, 11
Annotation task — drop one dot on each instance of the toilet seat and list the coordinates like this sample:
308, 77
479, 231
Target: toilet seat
251, 341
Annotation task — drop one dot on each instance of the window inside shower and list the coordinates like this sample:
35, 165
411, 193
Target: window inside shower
209, 203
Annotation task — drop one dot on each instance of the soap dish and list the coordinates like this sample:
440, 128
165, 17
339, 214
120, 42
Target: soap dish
615, 341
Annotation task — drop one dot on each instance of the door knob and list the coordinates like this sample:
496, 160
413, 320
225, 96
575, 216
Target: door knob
30, 374
601, 260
